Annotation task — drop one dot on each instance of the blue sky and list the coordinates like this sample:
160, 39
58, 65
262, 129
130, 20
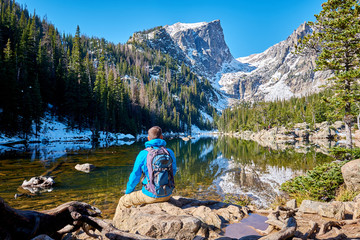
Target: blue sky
249, 26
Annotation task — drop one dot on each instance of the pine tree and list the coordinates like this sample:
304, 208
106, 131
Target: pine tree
335, 35
8, 91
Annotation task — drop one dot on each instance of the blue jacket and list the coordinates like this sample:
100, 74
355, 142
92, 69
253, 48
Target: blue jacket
140, 167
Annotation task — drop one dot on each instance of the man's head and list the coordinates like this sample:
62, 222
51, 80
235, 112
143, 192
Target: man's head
155, 132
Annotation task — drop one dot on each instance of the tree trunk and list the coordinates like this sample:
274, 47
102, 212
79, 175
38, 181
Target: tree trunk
348, 133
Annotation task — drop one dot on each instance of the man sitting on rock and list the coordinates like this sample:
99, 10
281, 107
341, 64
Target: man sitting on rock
157, 165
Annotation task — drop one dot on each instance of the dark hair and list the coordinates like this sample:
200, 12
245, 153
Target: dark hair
154, 132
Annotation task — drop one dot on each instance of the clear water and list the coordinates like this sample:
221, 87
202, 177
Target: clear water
208, 168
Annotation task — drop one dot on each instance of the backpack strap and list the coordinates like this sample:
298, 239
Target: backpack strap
148, 149
143, 175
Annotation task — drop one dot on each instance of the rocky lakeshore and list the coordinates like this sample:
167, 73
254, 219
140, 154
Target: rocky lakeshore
187, 218
184, 218
323, 134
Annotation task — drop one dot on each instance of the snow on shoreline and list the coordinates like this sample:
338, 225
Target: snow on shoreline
55, 139
53, 130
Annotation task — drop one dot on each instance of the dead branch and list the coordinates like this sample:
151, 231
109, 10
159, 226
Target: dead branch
26, 224
349, 222
336, 226
286, 232
276, 223
328, 226
269, 229
313, 227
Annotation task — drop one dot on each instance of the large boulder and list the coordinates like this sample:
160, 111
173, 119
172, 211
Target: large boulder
180, 218
331, 210
351, 174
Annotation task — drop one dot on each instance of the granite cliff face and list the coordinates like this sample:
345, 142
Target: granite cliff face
199, 45
277, 73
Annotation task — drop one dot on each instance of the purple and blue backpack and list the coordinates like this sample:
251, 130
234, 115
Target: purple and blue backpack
160, 167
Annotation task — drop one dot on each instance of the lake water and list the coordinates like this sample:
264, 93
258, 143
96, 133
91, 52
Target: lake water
208, 168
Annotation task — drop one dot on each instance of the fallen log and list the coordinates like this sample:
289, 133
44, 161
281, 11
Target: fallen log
26, 224
313, 227
268, 230
286, 232
336, 226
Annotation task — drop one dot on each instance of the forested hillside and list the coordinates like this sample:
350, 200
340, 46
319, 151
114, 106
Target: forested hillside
263, 115
90, 82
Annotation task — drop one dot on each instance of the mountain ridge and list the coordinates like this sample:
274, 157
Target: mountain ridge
276, 73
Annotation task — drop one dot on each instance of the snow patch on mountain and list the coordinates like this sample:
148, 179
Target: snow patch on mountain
179, 27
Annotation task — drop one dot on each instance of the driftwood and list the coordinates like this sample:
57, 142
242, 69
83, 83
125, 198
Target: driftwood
38, 184
283, 219
26, 224
313, 227
286, 232
287, 226
336, 226
68, 217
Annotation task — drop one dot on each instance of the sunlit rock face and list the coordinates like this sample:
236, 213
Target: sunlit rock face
199, 45
277, 73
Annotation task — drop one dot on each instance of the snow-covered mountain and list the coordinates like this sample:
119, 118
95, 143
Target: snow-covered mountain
199, 45
277, 73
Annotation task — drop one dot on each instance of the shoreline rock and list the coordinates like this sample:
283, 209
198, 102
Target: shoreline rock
300, 132
86, 167
351, 174
180, 218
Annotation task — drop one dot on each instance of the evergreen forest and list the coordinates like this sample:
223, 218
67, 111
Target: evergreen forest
256, 116
91, 83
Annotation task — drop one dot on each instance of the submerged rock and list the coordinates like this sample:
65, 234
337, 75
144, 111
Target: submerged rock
180, 218
86, 167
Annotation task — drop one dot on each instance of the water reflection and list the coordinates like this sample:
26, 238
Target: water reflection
208, 168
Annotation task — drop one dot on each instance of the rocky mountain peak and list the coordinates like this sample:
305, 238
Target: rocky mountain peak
299, 33
199, 45
203, 45
276, 73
